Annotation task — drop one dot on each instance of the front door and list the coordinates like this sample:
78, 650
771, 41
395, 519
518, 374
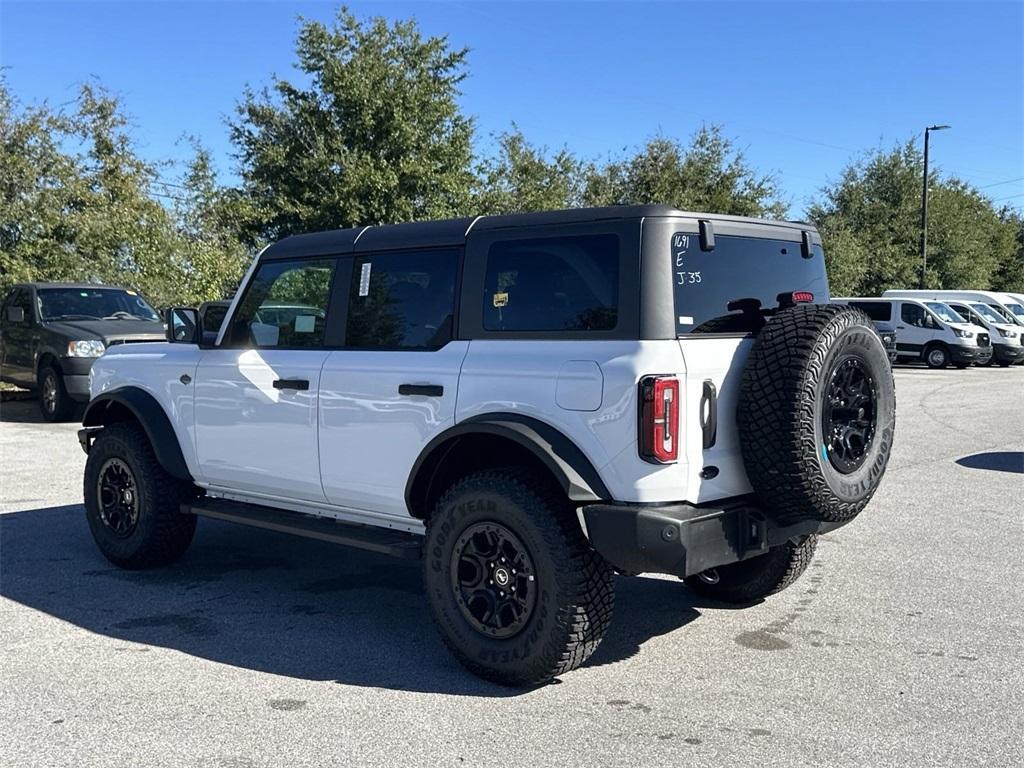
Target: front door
393, 387
20, 338
256, 395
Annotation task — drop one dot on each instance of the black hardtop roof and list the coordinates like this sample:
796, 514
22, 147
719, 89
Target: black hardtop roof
72, 286
452, 232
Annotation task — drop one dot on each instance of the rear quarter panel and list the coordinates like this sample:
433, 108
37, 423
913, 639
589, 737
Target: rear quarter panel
530, 377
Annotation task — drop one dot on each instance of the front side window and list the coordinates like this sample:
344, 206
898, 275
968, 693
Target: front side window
738, 285
402, 300
568, 283
285, 305
93, 304
912, 314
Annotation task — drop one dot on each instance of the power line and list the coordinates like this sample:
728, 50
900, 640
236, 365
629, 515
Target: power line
1008, 197
1000, 183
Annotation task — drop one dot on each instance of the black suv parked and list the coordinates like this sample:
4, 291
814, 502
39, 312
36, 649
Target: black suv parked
50, 334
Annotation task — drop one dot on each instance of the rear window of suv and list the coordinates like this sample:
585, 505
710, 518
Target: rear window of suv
568, 283
735, 287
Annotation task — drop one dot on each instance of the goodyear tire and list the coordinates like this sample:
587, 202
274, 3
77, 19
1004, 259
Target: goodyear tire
751, 580
816, 413
516, 591
131, 504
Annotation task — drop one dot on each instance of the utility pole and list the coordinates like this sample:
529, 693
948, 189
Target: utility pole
924, 205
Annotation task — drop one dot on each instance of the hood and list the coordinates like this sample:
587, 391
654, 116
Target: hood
108, 330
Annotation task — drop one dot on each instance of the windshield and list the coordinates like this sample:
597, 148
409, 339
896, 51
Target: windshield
985, 311
945, 312
93, 304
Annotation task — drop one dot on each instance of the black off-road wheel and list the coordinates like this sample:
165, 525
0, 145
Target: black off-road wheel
131, 504
751, 580
816, 413
54, 402
518, 594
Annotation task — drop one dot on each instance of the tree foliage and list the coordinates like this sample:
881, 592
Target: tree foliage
707, 174
521, 177
870, 222
370, 131
376, 136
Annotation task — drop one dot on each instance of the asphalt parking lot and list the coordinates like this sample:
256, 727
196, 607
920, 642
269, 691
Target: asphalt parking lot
901, 645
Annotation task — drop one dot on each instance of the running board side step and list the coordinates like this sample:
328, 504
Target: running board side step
383, 541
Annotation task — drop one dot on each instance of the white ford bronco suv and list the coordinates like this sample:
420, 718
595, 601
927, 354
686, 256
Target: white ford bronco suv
528, 403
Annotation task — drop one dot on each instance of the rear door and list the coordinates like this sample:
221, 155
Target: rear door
256, 395
393, 386
723, 297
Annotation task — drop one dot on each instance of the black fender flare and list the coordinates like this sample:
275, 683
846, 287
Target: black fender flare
567, 463
151, 415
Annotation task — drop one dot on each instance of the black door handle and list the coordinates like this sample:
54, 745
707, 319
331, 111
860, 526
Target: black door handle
301, 384
429, 390
709, 422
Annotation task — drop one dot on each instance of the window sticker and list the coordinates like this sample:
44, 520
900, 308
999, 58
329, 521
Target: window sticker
364, 280
500, 300
685, 320
305, 323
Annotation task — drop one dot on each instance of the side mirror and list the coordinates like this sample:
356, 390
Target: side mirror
182, 325
16, 314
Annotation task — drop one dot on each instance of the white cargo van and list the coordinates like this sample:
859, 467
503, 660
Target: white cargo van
927, 330
1002, 304
1006, 336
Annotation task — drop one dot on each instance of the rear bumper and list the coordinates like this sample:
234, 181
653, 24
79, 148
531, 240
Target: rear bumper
1006, 354
684, 539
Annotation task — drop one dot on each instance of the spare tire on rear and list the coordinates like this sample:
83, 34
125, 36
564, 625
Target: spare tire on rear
816, 413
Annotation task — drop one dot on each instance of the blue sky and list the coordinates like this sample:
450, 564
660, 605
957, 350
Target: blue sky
801, 87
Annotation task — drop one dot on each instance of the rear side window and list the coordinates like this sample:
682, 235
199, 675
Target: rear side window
876, 310
285, 305
568, 283
744, 280
402, 300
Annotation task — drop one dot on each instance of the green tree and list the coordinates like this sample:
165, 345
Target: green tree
1009, 274
209, 218
376, 136
41, 189
870, 224
122, 234
707, 174
521, 177
76, 202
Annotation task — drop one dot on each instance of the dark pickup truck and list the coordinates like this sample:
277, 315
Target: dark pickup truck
50, 334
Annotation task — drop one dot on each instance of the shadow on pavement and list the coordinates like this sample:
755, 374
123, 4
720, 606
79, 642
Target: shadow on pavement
997, 461
21, 410
273, 603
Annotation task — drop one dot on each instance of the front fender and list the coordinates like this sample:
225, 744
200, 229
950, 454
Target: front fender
115, 405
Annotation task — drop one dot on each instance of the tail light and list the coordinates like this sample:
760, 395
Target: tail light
659, 419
